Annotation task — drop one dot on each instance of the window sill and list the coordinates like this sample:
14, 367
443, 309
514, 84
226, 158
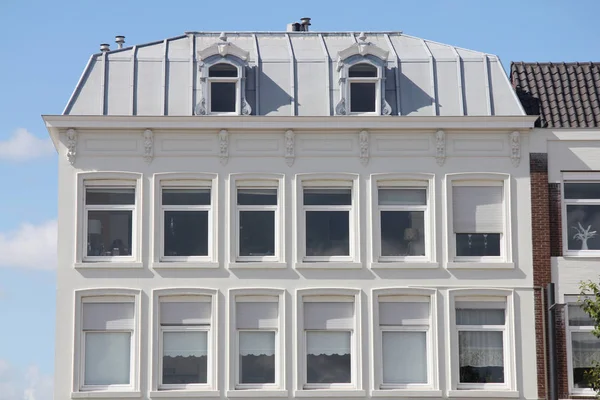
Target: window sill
581, 254
405, 265
259, 393
161, 394
329, 393
258, 265
505, 394
105, 394
406, 393
583, 393
329, 265
107, 264
185, 265
480, 265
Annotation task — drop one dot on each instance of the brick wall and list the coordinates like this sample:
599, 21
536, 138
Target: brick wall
555, 209
561, 353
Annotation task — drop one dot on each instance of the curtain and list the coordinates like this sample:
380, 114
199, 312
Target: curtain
481, 349
327, 343
257, 343
477, 209
474, 316
404, 357
578, 317
107, 358
104, 316
185, 344
586, 349
402, 197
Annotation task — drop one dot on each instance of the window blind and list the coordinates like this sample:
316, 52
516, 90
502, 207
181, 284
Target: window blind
108, 316
185, 313
404, 313
477, 209
329, 315
257, 315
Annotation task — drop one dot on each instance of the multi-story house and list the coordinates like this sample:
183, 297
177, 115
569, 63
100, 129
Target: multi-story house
294, 214
565, 191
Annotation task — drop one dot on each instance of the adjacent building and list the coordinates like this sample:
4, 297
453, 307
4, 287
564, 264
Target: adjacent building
294, 214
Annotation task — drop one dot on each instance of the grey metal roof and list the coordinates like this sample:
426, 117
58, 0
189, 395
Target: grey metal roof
294, 73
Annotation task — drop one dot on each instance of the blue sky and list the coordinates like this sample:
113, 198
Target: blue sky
46, 45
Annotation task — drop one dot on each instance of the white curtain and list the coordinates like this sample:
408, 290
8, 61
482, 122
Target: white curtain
404, 357
257, 343
578, 317
481, 349
185, 344
327, 343
477, 209
402, 197
586, 349
107, 358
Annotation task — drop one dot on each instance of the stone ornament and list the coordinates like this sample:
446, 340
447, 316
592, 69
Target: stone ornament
440, 147
363, 140
515, 148
148, 145
290, 153
71, 145
224, 146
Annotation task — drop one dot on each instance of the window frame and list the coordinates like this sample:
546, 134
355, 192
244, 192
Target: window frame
505, 259
339, 180
107, 295
108, 180
257, 181
376, 81
185, 180
236, 80
576, 177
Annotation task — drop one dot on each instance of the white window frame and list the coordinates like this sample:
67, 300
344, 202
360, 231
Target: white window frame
576, 177
256, 181
373, 80
403, 181
108, 180
107, 295
182, 181
431, 388
355, 388
340, 180
256, 390
482, 295
236, 80
505, 260
212, 343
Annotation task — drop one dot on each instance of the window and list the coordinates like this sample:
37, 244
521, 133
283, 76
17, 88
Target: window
583, 346
363, 80
582, 217
223, 88
107, 343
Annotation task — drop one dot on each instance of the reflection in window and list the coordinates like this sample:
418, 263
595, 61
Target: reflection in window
223, 87
363, 88
257, 357
582, 201
328, 357
256, 208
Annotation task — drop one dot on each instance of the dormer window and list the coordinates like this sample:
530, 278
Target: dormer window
223, 88
363, 79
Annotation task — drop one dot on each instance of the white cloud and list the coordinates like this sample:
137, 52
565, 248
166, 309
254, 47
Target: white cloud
28, 384
23, 146
29, 247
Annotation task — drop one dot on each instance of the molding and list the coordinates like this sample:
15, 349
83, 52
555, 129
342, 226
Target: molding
440, 147
223, 48
362, 48
148, 145
363, 140
71, 145
224, 146
290, 152
515, 148
108, 394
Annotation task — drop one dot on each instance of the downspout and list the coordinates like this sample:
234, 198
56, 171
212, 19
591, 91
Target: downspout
551, 325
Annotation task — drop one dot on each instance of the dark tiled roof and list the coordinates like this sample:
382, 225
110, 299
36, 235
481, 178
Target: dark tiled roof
564, 95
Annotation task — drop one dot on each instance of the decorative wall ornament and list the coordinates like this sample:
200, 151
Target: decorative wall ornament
246, 109
71, 145
340, 108
515, 148
440, 147
363, 140
224, 146
201, 107
148, 145
583, 235
386, 109
290, 153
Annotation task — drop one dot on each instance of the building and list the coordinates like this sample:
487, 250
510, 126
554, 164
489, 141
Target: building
294, 214
565, 192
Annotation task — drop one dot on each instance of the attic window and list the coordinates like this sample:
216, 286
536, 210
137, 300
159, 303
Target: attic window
224, 85
363, 81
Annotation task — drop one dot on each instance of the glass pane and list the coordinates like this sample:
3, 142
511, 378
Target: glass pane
362, 97
481, 357
578, 317
586, 351
590, 190
222, 70
327, 233
402, 197
328, 357
257, 197
363, 71
184, 357
109, 233
402, 233
186, 233
257, 233
186, 197
105, 196
257, 357
477, 244
327, 197
404, 357
583, 222
107, 358
481, 316
222, 96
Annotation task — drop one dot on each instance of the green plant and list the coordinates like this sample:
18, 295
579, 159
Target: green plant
589, 301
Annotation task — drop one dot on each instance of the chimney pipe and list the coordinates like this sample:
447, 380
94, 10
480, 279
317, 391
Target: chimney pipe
104, 47
120, 40
305, 23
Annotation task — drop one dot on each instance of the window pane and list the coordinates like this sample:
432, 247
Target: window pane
222, 70
257, 233
105, 196
402, 233
327, 197
404, 357
590, 190
583, 222
578, 317
481, 357
222, 96
362, 97
109, 233
186, 233
327, 233
363, 71
586, 351
257, 357
257, 197
184, 357
328, 357
186, 197
402, 197
477, 244
481, 316
107, 358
